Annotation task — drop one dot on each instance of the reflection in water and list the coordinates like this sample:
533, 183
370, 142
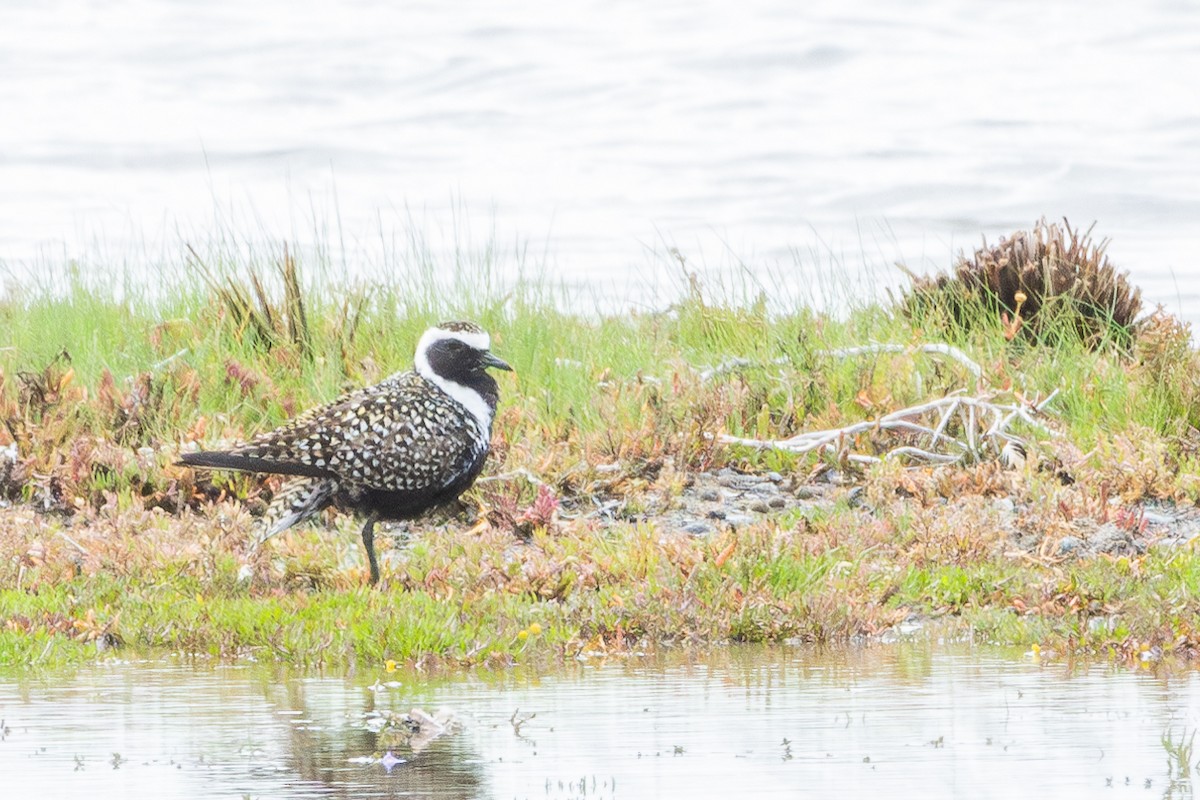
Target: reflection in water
913, 719
330, 744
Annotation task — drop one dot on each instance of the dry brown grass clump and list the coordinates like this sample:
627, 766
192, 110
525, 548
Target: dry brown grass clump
1047, 281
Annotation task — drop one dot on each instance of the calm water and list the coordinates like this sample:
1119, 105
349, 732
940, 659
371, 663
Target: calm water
914, 720
848, 135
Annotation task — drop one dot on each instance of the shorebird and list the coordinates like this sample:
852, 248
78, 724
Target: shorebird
392, 451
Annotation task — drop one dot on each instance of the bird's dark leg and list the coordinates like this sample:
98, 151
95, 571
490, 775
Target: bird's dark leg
368, 537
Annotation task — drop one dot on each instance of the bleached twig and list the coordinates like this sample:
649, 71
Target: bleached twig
521, 472
155, 367
737, 364
931, 347
74, 543
947, 415
915, 453
973, 414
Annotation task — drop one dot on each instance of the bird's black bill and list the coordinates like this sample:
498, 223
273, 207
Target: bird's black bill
490, 360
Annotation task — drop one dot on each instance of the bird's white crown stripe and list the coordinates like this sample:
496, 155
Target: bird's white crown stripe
480, 340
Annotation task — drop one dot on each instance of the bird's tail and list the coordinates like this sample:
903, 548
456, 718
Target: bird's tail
251, 461
296, 501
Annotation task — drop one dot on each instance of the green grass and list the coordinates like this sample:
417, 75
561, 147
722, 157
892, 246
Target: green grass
100, 386
190, 344
457, 597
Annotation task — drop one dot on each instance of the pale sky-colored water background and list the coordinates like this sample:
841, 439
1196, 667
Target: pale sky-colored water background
798, 139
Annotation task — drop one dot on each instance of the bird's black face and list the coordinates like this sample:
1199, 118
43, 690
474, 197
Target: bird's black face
458, 361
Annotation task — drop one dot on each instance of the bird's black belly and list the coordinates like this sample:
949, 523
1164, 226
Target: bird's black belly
403, 504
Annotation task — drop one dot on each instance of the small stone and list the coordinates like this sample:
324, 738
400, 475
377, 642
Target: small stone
1068, 545
765, 488
760, 506
1158, 517
774, 477
739, 519
697, 528
734, 480
805, 492
710, 496
716, 513
1109, 538
777, 502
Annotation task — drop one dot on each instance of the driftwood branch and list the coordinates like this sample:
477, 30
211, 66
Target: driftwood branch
984, 423
739, 364
981, 422
520, 472
933, 348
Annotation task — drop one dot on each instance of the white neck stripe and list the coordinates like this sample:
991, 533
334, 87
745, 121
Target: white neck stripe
466, 397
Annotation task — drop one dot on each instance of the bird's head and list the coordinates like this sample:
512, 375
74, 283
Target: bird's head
456, 351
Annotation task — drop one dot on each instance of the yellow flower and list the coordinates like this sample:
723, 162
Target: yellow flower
522, 636
535, 629
1020, 297
390, 665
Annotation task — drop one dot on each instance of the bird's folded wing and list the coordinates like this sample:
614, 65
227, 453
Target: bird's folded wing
395, 436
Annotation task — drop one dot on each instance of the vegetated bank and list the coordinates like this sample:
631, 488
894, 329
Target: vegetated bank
1010, 449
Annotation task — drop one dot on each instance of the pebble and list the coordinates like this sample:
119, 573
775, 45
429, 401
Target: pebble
716, 513
739, 519
1159, 517
711, 496
697, 528
1109, 538
728, 477
777, 502
1069, 544
774, 477
760, 506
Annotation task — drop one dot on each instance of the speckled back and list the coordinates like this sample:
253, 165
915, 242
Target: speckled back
403, 434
